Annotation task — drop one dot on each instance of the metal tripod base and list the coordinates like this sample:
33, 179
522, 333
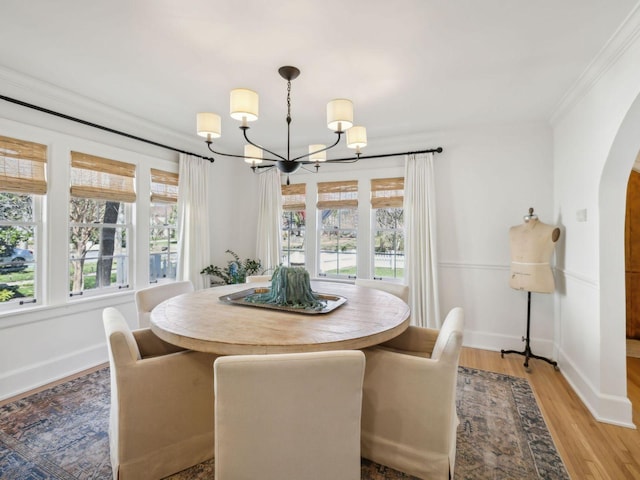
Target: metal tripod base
527, 348
527, 355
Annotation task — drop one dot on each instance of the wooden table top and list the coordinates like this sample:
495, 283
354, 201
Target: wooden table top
200, 321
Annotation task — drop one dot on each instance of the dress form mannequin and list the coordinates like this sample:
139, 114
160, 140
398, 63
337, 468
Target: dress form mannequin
532, 245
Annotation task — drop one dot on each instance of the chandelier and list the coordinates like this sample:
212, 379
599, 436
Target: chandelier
244, 108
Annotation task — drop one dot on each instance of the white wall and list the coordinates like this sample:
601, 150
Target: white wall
596, 142
486, 180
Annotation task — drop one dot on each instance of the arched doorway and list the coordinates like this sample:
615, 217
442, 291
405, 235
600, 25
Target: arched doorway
612, 208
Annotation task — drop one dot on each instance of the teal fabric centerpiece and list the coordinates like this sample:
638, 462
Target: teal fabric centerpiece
290, 287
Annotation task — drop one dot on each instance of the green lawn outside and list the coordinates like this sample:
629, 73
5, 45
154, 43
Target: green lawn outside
380, 272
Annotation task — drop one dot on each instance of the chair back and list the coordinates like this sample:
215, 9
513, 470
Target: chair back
399, 290
449, 341
288, 415
122, 345
257, 278
148, 298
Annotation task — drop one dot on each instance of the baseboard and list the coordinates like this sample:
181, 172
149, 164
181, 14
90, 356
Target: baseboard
615, 410
16, 382
497, 342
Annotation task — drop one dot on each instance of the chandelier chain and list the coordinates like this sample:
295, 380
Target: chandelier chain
289, 101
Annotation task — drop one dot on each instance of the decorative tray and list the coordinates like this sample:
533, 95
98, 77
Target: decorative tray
238, 298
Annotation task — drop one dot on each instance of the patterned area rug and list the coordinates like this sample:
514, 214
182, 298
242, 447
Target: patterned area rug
61, 434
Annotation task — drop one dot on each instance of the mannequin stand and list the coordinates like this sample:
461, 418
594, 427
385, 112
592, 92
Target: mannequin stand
527, 348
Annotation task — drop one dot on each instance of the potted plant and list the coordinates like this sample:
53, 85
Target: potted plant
236, 270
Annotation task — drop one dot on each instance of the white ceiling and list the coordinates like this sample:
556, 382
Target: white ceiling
410, 66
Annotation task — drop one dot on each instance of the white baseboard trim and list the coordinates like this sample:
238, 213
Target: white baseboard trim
615, 410
497, 342
22, 380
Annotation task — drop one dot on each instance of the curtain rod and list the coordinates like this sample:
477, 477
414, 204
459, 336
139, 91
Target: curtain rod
100, 127
151, 142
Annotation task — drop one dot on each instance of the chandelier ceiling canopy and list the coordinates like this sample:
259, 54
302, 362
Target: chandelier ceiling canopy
244, 108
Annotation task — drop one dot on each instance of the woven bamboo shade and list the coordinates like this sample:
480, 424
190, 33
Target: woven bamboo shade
22, 166
164, 186
332, 195
102, 178
387, 192
294, 197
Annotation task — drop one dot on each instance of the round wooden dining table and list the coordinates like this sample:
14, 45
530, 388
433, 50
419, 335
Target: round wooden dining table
208, 321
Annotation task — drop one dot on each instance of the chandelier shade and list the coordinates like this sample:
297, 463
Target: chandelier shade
357, 137
243, 105
209, 125
317, 153
339, 114
252, 155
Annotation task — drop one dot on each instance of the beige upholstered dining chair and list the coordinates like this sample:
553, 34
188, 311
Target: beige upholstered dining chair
258, 278
148, 298
161, 419
409, 418
399, 290
286, 416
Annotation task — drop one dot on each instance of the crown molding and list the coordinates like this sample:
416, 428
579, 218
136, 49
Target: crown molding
31, 90
626, 34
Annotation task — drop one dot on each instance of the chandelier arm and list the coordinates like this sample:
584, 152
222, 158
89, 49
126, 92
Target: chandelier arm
307, 155
244, 132
308, 169
222, 153
397, 154
260, 168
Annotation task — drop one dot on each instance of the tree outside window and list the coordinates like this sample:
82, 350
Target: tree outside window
22, 184
97, 244
387, 198
388, 243
17, 247
338, 240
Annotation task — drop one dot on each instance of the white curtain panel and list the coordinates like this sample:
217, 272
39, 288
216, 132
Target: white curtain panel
421, 265
269, 217
194, 252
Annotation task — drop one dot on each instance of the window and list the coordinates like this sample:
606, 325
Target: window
101, 190
293, 225
22, 182
338, 217
163, 237
387, 196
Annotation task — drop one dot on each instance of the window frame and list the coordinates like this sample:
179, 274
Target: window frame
293, 203
126, 227
39, 265
100, 179
386, 193
23, 171
339, 197
170, 227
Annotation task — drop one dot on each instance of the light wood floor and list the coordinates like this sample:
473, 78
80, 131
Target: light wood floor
590, 449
